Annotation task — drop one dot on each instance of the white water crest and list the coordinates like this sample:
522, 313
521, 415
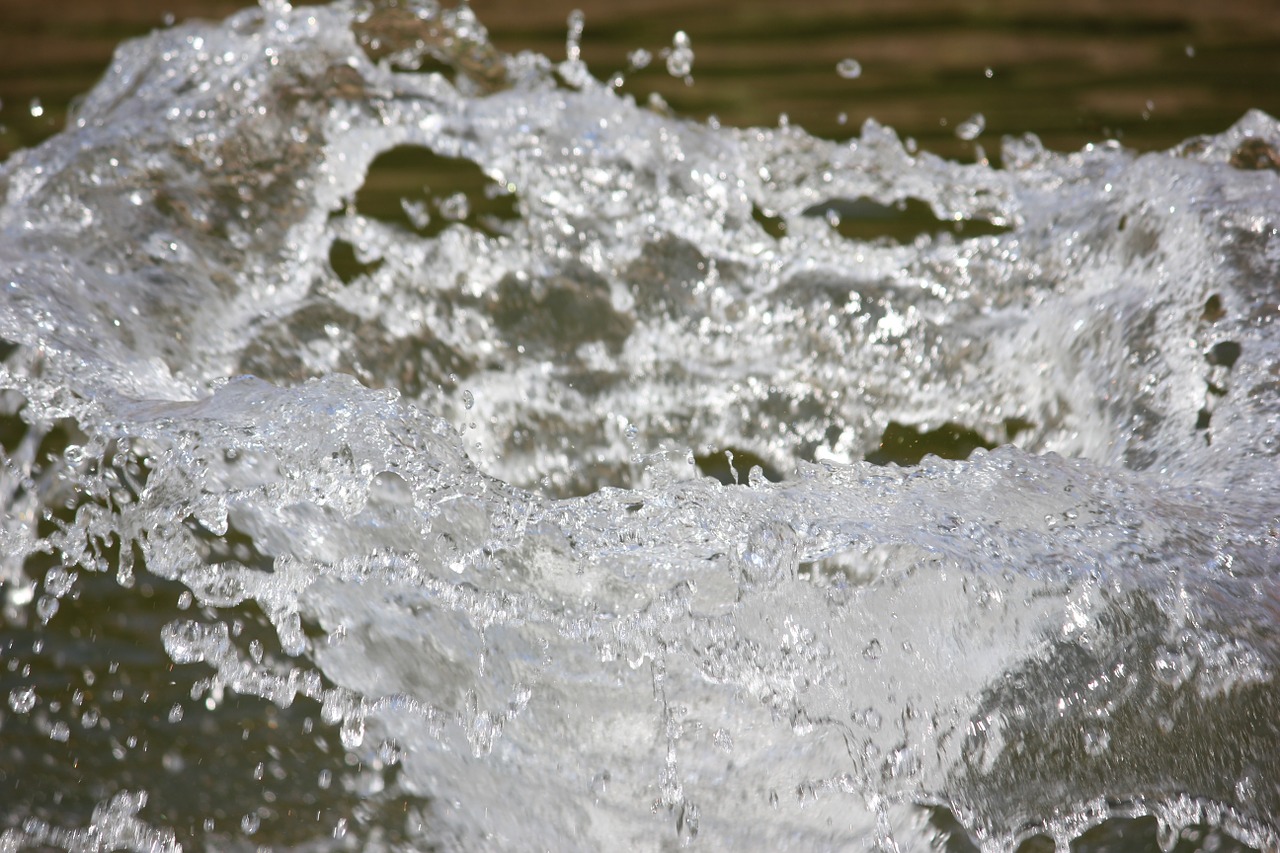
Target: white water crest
459, 460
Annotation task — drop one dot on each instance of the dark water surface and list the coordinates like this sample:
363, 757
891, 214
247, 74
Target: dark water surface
1149, 73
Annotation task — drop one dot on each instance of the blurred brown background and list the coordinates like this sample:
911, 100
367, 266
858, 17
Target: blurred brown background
1150, 72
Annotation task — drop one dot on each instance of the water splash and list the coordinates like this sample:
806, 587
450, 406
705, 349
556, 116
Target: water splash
456, 497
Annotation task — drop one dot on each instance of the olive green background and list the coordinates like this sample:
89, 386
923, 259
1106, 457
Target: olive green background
1150, 73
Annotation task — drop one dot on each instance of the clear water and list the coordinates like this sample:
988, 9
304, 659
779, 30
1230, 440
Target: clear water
582, 501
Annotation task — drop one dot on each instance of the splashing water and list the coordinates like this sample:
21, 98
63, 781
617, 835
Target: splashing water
607, 521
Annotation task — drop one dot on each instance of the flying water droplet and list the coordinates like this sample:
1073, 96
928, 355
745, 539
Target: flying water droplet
22, 699
849, 69
972, 127
680, 57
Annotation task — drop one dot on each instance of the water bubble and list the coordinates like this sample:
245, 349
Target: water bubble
175, 713
250, 823
60, 732
972, 127
639, 58
872, 650
849, 69
325, 779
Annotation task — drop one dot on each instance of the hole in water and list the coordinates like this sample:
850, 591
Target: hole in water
866, 220
1213, 310
717, 464
346, 265
902, 444
419, 190
770, 222
1225, 354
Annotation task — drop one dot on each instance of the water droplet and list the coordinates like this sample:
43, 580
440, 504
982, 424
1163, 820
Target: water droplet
573, 38
680, 57
22, 699
37, 109
389, 753
46, 607
873, 650
250, 823
352, 731
175, 713
60, 732
849, 69
972, 127
468, 399
325, 779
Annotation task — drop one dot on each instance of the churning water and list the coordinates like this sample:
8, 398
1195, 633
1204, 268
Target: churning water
587, 507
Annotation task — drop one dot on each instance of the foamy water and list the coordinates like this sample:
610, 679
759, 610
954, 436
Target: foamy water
457, 463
